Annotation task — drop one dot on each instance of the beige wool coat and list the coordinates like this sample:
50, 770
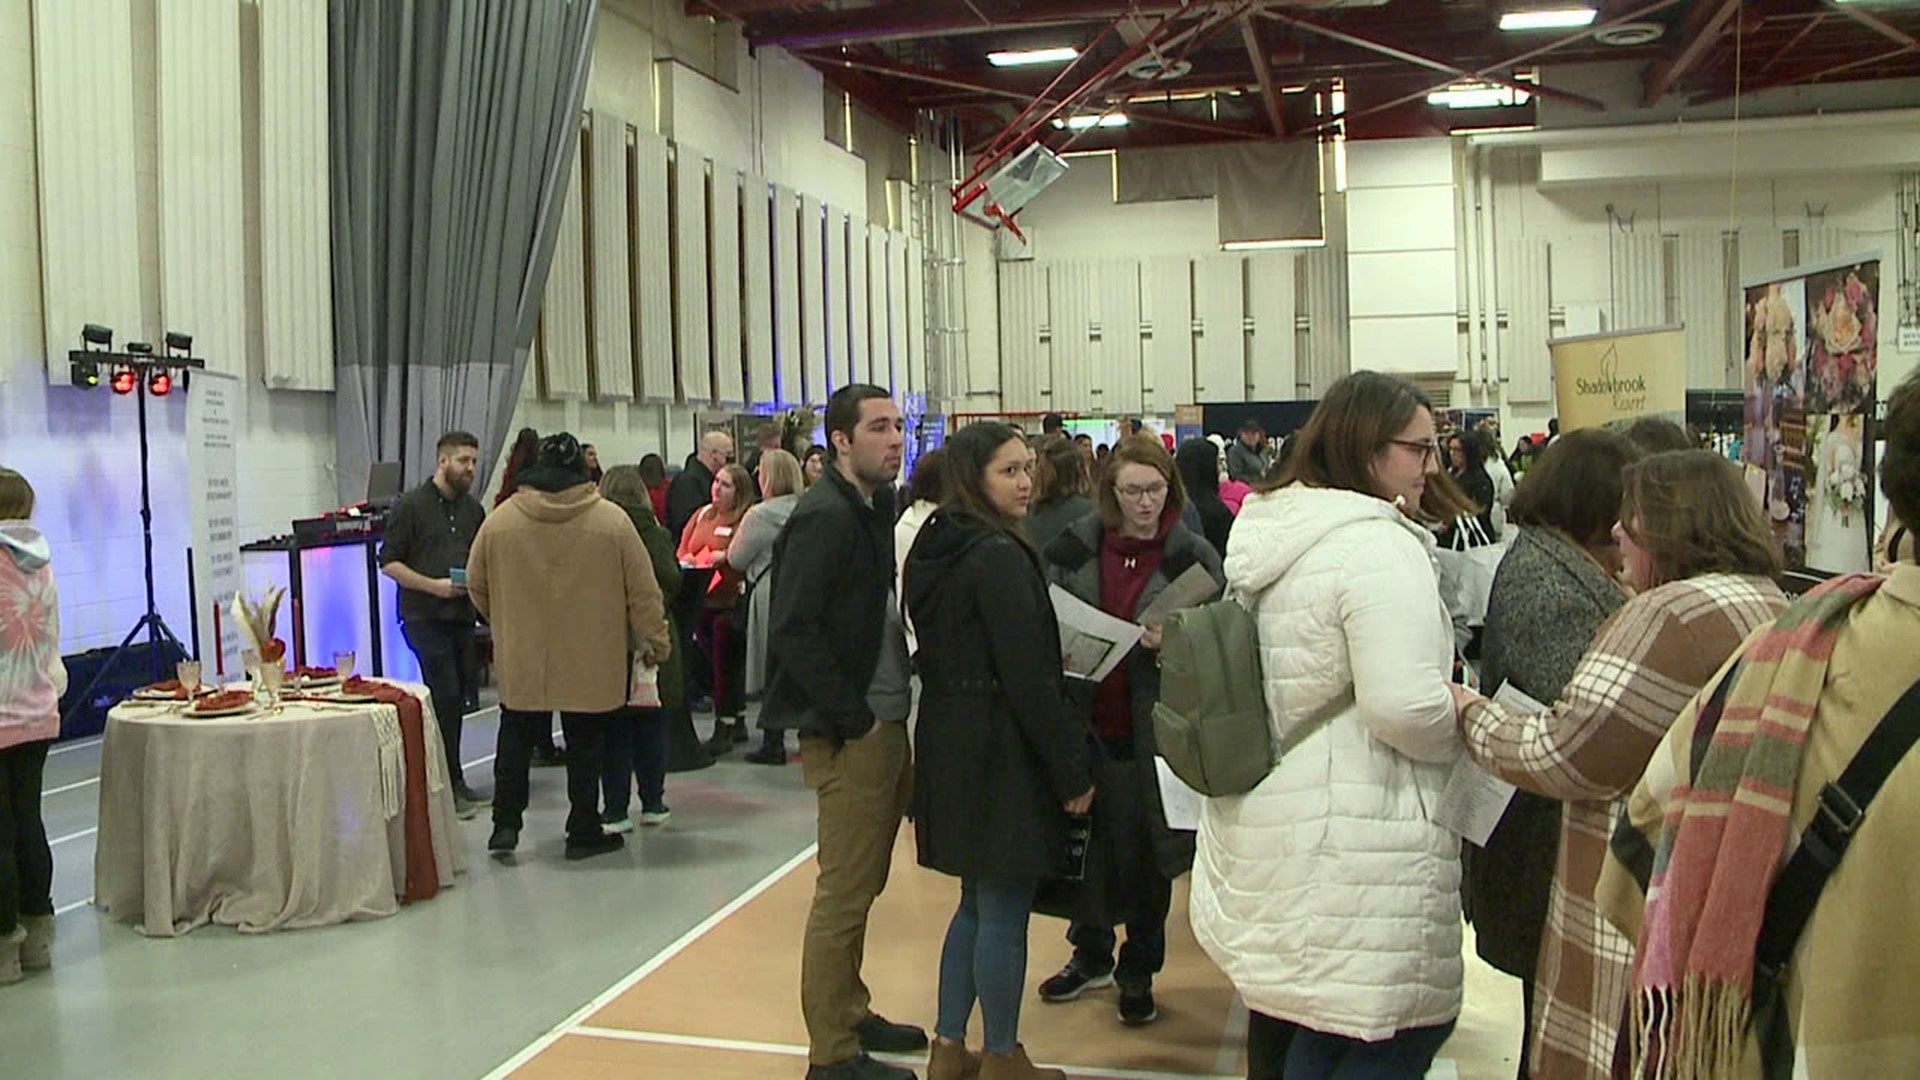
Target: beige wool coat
567, 586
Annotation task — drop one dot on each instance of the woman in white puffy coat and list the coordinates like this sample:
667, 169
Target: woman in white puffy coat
1327, 894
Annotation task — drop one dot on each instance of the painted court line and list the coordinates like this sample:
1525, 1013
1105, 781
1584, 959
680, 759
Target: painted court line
81, 835
75, 786
705, 927
741, 1045
75, 906
81, 745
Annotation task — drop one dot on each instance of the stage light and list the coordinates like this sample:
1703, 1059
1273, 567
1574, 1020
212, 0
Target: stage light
140, 348
86, 373
95, 334
160, 384
178, 342
124, 380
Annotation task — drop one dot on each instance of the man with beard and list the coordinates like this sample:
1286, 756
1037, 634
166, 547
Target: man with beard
429, 533
838, 673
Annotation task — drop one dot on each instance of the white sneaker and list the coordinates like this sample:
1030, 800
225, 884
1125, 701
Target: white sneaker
613, 828
653, 819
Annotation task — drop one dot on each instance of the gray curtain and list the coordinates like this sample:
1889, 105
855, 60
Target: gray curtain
453, 127
1261, 191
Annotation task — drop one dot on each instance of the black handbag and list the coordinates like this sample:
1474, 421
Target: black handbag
1119, 856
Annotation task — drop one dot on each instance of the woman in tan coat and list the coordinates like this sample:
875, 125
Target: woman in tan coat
562, 576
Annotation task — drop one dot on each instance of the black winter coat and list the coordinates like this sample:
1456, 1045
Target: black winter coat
998, 751
1073, 563
827, 619
690, 491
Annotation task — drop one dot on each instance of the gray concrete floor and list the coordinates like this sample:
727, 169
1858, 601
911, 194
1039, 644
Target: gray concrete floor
448, 988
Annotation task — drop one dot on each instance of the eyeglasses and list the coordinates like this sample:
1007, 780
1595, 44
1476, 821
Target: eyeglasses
1429, 448
1151, 491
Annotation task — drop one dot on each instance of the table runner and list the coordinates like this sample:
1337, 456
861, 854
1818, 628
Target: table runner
423, 877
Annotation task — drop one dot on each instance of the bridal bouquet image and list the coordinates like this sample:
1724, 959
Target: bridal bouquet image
1844, 353
1843, 478
1773, 353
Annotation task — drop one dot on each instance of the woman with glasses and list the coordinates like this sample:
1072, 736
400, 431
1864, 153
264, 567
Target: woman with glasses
1327, 894
1120, 559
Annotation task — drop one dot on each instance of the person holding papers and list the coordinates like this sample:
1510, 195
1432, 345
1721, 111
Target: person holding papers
1000, 762
1121, 559
1702, 558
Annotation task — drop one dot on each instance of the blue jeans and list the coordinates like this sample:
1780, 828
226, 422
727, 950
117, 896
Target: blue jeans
1405, 1055
636, 747
985, 960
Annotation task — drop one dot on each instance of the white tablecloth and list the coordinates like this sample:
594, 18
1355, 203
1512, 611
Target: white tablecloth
275, 821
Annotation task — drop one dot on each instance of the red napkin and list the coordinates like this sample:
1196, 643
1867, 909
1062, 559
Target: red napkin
423, 876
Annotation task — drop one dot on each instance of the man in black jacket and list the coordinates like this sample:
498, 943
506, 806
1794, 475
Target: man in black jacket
693, 488
838, 674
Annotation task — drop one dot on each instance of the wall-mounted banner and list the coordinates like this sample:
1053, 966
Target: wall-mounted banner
1811, 379
1601, 379
213, 425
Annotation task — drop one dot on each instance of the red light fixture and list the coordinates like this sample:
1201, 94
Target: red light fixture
161, 384
124, 381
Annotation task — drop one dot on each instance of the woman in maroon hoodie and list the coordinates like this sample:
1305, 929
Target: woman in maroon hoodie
1121, 558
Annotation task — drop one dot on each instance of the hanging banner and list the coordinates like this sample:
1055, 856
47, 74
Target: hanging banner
1602, 379
213, 409
1811, 378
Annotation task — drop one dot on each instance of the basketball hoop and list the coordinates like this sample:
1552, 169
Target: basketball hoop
993, 202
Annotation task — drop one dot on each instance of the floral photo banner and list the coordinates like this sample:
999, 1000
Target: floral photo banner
1811, 380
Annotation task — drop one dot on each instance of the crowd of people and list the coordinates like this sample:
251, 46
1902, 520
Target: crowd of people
1680, 740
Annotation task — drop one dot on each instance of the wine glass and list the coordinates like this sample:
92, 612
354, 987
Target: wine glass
273, 679
343, 663
188, 672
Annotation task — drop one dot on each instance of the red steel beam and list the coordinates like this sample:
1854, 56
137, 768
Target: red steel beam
897, 21
1806, 75
1385, 49
1876, 24
1787, 50
1262, 62
1701, 31
1572, 39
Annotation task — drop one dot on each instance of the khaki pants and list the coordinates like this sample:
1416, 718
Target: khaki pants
863, 790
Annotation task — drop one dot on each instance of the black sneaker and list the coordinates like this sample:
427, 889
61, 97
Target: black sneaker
1072, 981
861, 1067
878, 1035
586, 847
501, 844
1136, 1004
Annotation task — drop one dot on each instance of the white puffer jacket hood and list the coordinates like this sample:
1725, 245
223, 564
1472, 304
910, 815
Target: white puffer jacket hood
1327, 894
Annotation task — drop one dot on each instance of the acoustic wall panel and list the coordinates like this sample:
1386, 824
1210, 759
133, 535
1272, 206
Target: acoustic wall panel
1328, 355
1026, 375
1270, 360
1167, 307
838, 313
756, 287
884, 366
788, 379
607, 255
859, 301
89, 207
203, 247
651, 249
903, 380
1220, 362
692, 316
723, 238
563, 308
918, 353
1639, 282
1705, 295
296, 253
1118, 356
813, 299
1070, 309
1525, 309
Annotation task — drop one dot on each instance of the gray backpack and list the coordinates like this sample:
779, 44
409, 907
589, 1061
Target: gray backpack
1211, 720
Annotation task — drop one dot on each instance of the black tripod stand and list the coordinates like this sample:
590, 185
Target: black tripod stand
155, 627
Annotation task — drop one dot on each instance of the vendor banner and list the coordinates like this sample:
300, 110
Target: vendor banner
1602, 379
213, 409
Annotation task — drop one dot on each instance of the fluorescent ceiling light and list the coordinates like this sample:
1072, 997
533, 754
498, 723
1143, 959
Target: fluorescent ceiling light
1271, 245
1552, 19
1024, 57
1082, 123
1478, 96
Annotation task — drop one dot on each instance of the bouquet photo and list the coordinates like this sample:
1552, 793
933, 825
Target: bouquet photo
1843, 479
1773, 353
1843, 339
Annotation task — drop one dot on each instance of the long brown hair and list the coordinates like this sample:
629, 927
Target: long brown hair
745, 491
1060, 469
16, 496
1139, 450
1576, 486
1693, 514
964, 462
1356, 420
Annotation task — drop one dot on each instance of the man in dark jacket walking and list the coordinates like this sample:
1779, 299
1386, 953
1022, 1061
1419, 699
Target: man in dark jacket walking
693, 488
838, 674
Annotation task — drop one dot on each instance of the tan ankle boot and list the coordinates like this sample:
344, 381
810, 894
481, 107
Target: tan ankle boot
951, 1061
36, 953
10, 956
1015, 1066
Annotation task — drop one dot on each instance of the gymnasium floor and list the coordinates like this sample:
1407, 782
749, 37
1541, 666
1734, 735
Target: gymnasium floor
676, 958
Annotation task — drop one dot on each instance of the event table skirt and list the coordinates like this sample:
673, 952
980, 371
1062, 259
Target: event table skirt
274, 822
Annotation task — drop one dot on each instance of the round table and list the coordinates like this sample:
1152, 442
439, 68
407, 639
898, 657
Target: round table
284, 819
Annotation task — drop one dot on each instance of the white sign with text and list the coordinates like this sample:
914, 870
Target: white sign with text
213, 425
